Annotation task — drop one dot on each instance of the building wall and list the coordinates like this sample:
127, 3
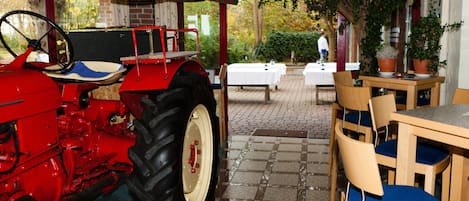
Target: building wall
141, 14
455, 48
463, 81
166, 14
113, 13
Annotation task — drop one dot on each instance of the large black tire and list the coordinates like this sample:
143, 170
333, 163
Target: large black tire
174, 124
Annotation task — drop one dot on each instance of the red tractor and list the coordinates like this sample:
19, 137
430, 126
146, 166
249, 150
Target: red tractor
59, 141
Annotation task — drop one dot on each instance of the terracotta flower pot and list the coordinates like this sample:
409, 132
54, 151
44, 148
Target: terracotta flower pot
387, 64
420, 66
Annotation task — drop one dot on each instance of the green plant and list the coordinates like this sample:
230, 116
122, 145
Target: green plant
279, 45
378, 15
386, 51
425, 37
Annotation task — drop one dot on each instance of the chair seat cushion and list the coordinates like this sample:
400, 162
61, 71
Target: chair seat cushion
426, 154
394, 193
365, 119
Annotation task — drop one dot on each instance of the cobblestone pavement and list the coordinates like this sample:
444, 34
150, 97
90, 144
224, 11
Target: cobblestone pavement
292, 107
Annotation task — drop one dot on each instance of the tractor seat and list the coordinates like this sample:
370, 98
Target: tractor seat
91, 71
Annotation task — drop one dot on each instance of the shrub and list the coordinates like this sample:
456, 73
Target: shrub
279, 46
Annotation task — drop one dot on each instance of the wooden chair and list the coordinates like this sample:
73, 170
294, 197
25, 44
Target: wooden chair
361, 170
222, 103
343, 77
430, 160
353, 101
356, 115
459, 171
461, 96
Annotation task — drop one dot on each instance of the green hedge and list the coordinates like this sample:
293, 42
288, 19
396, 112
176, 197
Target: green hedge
279, 45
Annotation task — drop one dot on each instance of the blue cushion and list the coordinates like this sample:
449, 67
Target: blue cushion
426, 154
393, 192
365, 120
81, 69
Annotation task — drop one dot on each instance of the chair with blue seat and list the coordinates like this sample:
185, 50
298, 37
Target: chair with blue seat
362, 172
430, 160
356, 115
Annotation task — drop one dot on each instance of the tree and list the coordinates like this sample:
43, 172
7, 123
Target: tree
275, 18
325, 11
367, 18
319, 10
258, 23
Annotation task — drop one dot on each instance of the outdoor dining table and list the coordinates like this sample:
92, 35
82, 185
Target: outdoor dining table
256, 75
447, 124
320, 74
409, 84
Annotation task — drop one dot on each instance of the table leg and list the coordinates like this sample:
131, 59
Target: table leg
457, 177
406, 152
317, 95
411, 101
435, 95
267, 94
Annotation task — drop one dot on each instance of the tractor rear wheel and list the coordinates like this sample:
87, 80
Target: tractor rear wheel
175, 154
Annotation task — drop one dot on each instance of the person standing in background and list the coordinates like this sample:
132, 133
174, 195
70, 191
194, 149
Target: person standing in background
323, 46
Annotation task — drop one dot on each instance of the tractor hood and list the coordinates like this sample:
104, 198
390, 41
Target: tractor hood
25, 92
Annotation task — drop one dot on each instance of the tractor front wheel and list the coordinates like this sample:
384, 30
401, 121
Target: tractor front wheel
175, 154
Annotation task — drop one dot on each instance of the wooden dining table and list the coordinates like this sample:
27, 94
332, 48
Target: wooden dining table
409, 84
447, 125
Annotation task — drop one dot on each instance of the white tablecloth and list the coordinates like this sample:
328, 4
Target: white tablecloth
255, 73
321, 74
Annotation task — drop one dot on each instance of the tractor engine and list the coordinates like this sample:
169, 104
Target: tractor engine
57, 140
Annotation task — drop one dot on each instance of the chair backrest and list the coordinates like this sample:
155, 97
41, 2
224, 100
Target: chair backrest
461, 96
381, 108
360, 165
343, 77
353, 98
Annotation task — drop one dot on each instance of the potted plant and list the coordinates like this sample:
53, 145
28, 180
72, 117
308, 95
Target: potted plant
424, 45
386, 56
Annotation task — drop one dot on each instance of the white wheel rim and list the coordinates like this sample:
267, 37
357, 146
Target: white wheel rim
197, 155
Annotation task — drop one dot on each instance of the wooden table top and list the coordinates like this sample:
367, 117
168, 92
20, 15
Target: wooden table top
404, 81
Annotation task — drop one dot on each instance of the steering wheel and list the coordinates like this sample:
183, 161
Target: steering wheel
22, 29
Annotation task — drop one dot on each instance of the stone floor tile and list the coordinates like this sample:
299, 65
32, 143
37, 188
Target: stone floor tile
236, 145
280, 194
288, 156
290, 147
318, 148
317, 195
240, 192
291, 140
260, 155
317, 181
283, 179
264, 139
262, 146
318, 157
241, 138
253, 165
247, 177
233, 154
286, 167
315, 168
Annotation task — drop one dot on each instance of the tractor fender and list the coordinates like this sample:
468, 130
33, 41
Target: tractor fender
150, 77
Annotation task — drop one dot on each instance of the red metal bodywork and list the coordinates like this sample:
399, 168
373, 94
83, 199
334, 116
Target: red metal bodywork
55, 144
57, 140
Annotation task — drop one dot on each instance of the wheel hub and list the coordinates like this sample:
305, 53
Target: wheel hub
197, 155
